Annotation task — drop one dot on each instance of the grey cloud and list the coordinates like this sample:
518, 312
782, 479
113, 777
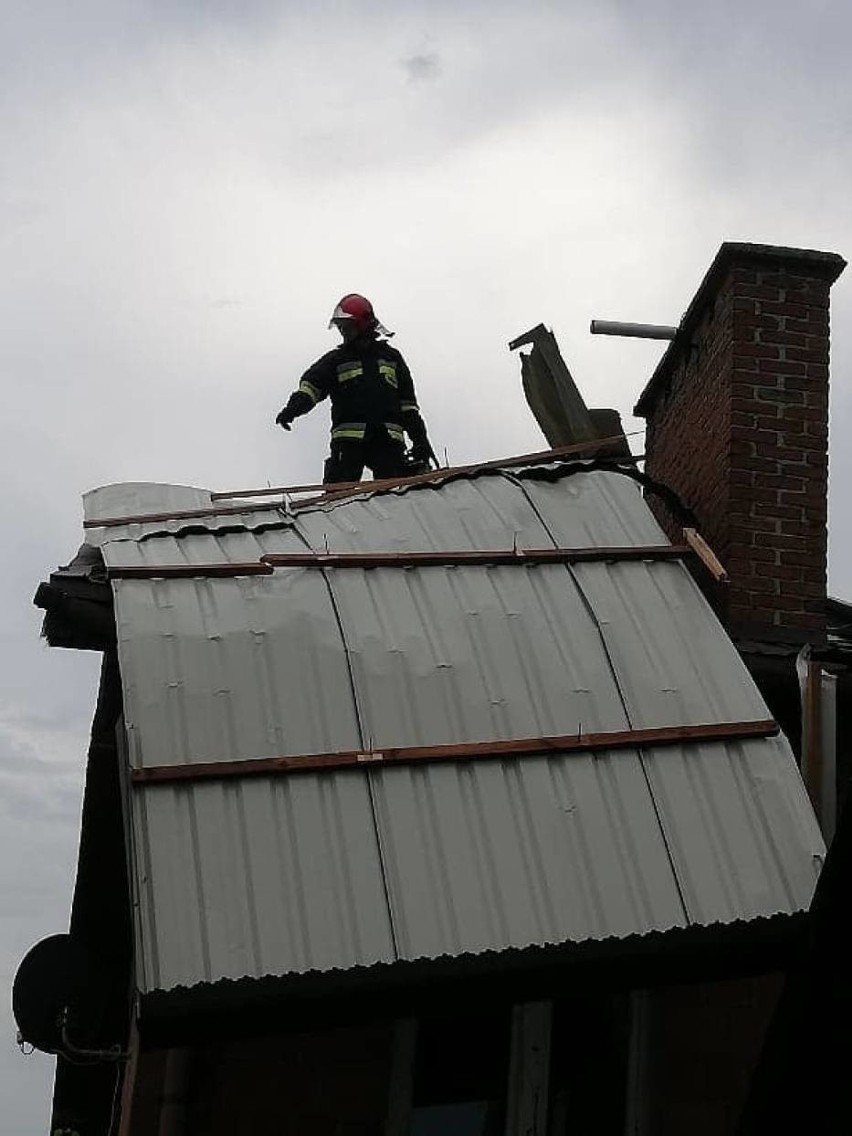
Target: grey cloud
422, 68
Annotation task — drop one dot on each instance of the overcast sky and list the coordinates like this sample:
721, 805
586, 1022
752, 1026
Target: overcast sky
188, 186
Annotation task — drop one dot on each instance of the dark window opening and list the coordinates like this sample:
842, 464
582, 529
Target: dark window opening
460, 1075
588, 1067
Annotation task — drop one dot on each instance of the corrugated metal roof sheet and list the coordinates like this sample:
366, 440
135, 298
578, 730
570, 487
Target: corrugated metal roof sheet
331, 870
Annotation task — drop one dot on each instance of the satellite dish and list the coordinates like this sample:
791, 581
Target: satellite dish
50, 984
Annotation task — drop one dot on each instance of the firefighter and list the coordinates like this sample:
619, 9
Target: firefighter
373, 404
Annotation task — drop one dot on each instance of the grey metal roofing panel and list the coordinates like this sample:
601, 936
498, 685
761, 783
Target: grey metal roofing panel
593, 509
740, 829
441, 654
481, 513
513, 852
130, 498
673, 663
495, 509
337, 870
235, 668
258, 877
140, 498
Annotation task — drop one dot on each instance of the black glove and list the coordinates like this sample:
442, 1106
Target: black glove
284, 418
421, 451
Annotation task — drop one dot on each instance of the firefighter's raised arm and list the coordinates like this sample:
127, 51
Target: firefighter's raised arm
313, 387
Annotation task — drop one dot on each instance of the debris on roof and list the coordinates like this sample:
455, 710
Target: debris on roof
557, 404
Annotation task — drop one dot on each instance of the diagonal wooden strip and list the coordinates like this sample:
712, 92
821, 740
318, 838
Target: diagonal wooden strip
510, 556
493, 463
465, 751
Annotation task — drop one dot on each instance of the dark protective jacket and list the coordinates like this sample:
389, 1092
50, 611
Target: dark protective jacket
369, 385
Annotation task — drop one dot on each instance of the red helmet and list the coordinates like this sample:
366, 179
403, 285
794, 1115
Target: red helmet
360, 311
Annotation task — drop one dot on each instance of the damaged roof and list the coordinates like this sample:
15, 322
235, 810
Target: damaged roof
239, 876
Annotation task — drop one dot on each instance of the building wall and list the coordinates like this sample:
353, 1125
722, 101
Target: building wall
322, 1084
704, 1044
697, 1048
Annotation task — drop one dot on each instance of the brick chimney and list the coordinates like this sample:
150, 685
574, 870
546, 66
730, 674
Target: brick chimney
737, 425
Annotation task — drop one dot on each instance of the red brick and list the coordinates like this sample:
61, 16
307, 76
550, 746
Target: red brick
762, 584
779, 572
748, 405
781, 512
746, 421
806, 442
744, 477
805, 354
751, 319
785, 397
785, 308
802, 413
742, 447
814, 590
760, 350
784, 280
759, 465
782, 366
784, 338
809, 323
772, 480
757, 292
806, 559
789, 543
761, 554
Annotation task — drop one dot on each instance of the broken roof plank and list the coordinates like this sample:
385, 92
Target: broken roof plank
335, 491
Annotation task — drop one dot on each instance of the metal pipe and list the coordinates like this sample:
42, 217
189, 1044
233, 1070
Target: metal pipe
828, 730
632, 330
810, 682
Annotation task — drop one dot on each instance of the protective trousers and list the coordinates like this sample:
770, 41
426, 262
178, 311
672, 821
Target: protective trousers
379, 453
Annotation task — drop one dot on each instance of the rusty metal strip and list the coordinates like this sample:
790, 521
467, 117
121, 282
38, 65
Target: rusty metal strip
187, 571
473, 557
466, 751
179, 515
343, 488
519, 556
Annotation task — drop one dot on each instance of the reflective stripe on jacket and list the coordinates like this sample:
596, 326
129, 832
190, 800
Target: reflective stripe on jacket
369, 384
